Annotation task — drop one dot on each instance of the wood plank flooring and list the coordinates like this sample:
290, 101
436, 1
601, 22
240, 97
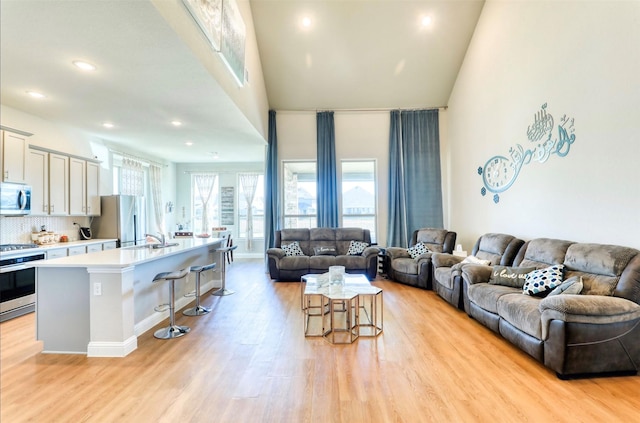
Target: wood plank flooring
248, 361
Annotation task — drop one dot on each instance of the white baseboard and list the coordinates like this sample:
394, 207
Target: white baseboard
112, 349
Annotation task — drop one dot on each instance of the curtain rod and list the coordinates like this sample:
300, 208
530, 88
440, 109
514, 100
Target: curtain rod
365, 110
142, 159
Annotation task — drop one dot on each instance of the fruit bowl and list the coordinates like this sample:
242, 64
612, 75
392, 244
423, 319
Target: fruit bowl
203, 236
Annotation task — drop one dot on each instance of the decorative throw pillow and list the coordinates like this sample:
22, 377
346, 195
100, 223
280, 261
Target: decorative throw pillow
324, 251
418, 250
292, 249
572, 286
476, 260
356, 248
542, 281
509, 276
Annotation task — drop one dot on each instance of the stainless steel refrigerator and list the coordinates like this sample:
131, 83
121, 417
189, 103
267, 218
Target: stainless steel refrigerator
121, 217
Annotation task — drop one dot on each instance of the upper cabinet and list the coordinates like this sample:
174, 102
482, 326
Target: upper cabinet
48, 175
13, 152
84, 184
93, 188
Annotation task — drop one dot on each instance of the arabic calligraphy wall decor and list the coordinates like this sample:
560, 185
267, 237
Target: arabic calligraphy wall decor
500, 172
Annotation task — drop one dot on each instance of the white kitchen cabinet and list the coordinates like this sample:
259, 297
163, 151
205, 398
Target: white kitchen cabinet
38, 178
92, 248
84, 185
80, 249
13, 157
58, 184
56, 253
93, 188
111, 245
77, 186
48, 175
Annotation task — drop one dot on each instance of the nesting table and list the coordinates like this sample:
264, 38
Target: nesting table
341, 315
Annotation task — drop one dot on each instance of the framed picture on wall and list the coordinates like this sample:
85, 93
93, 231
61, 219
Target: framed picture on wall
208, 16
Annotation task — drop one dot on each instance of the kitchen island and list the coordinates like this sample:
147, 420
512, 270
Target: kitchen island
99, 303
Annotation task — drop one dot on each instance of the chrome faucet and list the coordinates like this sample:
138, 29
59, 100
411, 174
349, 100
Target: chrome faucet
160, 240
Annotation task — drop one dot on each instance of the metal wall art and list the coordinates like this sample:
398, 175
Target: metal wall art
546, 139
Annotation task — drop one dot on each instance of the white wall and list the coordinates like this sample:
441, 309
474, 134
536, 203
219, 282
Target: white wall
582, 59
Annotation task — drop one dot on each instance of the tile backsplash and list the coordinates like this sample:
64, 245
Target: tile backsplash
17, 230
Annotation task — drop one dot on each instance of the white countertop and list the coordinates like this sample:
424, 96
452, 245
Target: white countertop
128, 256
42, 248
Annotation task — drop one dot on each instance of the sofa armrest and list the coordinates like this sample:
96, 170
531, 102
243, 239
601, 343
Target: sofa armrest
445, 259
476, 273
371, 251
276, 253
592, 309
397, 252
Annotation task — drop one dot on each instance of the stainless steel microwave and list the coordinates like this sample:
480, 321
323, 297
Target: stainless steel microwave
15, 199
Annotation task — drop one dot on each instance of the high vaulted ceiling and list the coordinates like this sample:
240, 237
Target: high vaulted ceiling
355, 54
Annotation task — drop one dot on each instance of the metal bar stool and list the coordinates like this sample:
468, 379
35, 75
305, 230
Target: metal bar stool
223, 271
198, 310
173, 330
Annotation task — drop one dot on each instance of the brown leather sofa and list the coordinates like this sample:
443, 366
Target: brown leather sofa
401, 267
596, 332
291, 268
498, 249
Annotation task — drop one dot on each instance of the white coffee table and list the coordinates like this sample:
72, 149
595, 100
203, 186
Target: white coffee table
341, 315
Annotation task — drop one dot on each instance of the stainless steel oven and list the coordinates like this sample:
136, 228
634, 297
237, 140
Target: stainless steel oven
17, 279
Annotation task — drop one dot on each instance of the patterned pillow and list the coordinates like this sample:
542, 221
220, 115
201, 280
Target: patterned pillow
292, 249
418, 250
509, 276
356, 248
541, 282
571, 286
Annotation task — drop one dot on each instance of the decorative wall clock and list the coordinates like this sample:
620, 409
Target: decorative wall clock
500, 172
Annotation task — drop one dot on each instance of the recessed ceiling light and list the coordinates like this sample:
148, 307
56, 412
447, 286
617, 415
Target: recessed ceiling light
306, 22
108, 125
176, 123
36, 94
188, 143
426, 20
86, 66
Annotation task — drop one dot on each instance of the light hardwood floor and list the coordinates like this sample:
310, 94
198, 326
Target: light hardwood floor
248, 361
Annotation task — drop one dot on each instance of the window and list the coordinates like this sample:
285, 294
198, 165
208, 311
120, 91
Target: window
300, 194
205, 210
359, 195
245, 183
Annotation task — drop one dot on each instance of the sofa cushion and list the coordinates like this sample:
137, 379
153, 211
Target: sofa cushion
294, 263
356, 248
292, 249
509, 276
432, 238
542, 281
600, 265
321, 262
572, 286
543, 252
418, 250
492, 247
351, 262
523, 312
486, 296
